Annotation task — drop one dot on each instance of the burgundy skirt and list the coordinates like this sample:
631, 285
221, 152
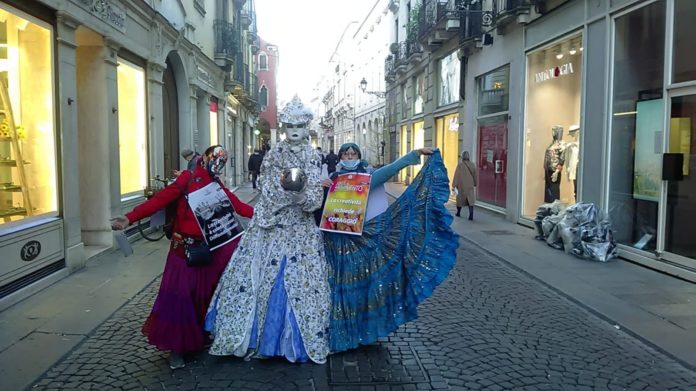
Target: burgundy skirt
178, 315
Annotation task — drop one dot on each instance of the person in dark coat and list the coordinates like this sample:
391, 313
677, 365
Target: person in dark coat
254, 166
331, 160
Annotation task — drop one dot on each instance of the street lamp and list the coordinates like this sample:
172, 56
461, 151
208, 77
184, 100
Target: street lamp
363, 87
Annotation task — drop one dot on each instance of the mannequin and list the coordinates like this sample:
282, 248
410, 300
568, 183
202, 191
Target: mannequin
572, 158
553, 165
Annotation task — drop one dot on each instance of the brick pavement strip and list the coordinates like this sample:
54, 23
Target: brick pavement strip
489, 326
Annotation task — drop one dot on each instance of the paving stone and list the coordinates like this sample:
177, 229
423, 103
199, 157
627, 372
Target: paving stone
489, 326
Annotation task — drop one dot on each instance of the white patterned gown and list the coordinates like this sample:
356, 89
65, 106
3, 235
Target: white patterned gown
279, 229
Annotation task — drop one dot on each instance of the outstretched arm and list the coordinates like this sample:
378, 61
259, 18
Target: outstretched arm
382, 175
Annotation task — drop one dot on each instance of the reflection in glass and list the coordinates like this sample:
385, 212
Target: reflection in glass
684, 67
419, 94
637, 97
449, 79
681, 204
493, 91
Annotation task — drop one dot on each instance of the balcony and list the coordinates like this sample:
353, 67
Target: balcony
401, 57
414, 50
439, 21
389, 70
472, 20
226, 42
244, 85
509, 11
245, 19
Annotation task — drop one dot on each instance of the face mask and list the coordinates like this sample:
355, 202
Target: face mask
350, 164
216, 161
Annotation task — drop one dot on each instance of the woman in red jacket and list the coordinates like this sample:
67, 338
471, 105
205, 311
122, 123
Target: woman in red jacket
177, 317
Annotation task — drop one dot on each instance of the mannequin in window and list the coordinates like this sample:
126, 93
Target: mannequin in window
554, 160
572, 158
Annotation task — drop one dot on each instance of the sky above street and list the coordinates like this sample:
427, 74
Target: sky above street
306, 33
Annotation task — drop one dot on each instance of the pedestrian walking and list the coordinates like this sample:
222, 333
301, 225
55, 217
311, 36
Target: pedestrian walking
192, 158
254, 166
464, 185
331, 160
176, 321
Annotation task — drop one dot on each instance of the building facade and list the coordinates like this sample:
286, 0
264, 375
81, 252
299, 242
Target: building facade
97, 98
267, 61
602, 88
351, 94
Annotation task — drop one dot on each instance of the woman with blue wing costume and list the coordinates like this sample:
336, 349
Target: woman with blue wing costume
273, 298
406, 250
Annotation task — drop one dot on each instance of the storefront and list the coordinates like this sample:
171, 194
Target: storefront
403, 150
447, 140
653, 112
492, 146
31, 232
417, 142
552, 125
610, 106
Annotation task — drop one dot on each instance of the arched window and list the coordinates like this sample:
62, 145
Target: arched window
263, 62
263, 96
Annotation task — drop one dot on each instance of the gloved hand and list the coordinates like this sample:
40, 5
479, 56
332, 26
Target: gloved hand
298, 198
554, 176
119, 223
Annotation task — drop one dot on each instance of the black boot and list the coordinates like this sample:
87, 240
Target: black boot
459, 210
471, 212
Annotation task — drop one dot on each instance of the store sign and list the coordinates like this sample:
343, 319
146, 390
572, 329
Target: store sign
30, 250
554, 73
107, 11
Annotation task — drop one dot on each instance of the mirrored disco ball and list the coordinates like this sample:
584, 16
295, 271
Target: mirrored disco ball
293, 179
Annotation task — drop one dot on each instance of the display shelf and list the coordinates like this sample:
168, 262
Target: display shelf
13, 212
10, 187
10, 163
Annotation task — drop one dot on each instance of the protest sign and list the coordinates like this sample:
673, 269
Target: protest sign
346, 203
215, 215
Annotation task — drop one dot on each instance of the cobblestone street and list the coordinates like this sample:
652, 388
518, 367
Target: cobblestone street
489, 326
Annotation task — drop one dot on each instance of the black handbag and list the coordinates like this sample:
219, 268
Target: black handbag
198, 254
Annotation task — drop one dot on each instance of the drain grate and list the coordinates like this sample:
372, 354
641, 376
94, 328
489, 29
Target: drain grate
499, 232
376, 365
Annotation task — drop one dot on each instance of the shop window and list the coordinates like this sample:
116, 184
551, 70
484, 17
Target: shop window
552, 125
132, 128
684, 65
418, 141
419, 94
403, 149
636, 125
28, 181
447, 140
493, 105
449, 79
214, 136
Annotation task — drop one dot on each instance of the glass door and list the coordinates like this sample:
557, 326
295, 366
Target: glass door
679, 172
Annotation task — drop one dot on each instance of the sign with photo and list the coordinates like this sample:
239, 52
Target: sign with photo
346, 204
215, 215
